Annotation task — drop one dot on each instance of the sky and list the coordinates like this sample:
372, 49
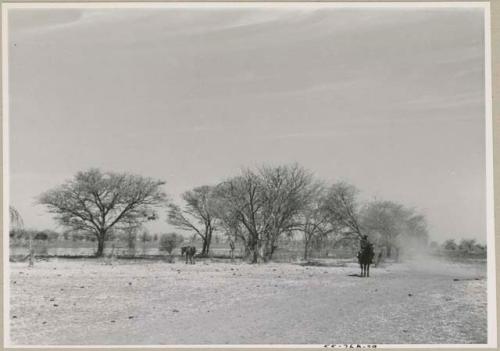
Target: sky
388, 99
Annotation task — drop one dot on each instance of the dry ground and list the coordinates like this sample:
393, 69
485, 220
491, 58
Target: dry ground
86, 302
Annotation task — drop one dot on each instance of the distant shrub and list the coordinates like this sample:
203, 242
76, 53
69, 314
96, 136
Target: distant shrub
480, 248
466, 248
66, 235
17, 233
78, 236
26, 234
467, 245
41, 236
470, 246
168, 242
450, 245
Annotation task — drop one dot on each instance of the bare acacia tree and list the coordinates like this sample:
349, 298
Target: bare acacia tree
96, 202
16, 221
15, 218
343, 208
286, 192
196, 215
263, 205
317, 222
227, 218
240, 204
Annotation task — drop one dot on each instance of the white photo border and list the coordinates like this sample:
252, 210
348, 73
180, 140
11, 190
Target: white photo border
490, 210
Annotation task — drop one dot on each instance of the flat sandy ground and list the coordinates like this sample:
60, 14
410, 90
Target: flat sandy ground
86, 302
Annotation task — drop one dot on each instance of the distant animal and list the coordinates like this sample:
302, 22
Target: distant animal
189, 251
365, 259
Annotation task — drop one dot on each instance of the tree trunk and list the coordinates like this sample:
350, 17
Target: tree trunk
306, 249
269, 253
204, 247
251, 249
247, 251
100, 245
254, 250
273, 248
206, 241
255, 255
263, 252
209, 241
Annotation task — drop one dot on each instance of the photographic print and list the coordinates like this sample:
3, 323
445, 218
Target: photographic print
264, 174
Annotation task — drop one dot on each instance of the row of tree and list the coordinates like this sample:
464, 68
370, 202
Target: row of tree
469, 246
256, 208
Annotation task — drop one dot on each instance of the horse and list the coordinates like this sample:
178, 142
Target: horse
365, 259
189, 251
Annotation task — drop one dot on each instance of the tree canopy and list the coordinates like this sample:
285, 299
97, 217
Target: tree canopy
95, 202
196, 214
264, 204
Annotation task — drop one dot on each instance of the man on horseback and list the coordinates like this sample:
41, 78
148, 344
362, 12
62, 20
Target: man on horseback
363, 242
365, 255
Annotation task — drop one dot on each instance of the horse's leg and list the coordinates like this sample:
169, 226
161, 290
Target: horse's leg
368, 270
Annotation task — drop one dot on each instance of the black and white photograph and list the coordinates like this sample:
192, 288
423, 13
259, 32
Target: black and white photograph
261, 174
